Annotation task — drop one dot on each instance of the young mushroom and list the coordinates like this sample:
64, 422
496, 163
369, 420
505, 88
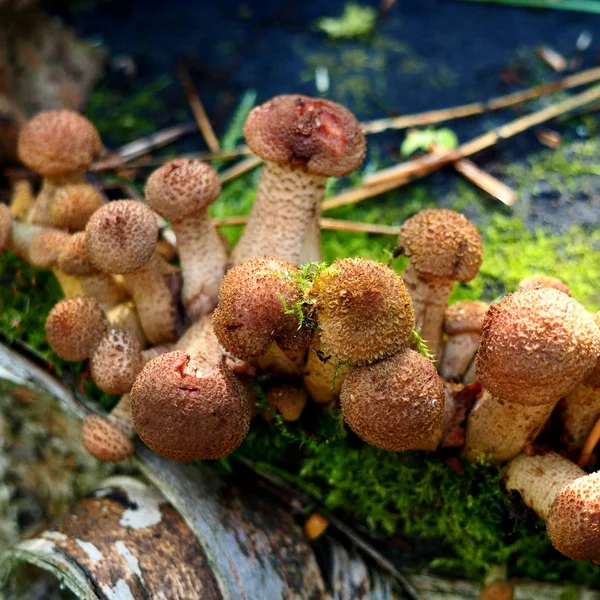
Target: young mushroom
287, 399
536, 346
536, 282
442, 247
463, 323
564, 496
60, 145
302, 141
181, 191
395, 404
121, 239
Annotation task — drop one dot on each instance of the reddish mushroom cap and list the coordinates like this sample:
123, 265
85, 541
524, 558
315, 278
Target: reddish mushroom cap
58, 142
182, 187
104, 441
188, 410
319, 136
121, 236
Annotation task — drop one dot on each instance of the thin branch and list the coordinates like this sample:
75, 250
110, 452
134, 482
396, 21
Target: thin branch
358, 194
477, 108
483, 180
197, 108
245, 165
590, 445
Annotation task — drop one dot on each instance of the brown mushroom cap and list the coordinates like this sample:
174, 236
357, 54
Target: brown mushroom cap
251, 313
74, 327
536, 282
116, 361
363, 310
319, 136
5, 226
288, 399
574, 519
536, 345
73, 258
58, 142
121, 236
104, 441
73, 206
187, 414
465, 316
441, 244
45, 247
182, 187
395, 404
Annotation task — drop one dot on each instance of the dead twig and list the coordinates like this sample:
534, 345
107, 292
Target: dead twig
245, 165
552, 58
358, 194
197, 108
483, 180
590, 445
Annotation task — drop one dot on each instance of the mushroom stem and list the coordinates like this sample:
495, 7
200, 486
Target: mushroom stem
578, 412
320, 373
120, 416
40, 212
282, 362
22, 199
502, 428
285, 215
124, 316
458, 353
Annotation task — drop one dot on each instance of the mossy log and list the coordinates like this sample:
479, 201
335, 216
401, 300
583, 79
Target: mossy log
191, 534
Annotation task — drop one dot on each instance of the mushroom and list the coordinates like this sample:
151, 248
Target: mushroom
564, 496
463, 323
60, 145
536, 346
181, 191
73, 260
395, 404
535, 282
22, 199
73, 206
442, 247
287, 399
302, 141
121, 239
362, 309
125, 316
256, 301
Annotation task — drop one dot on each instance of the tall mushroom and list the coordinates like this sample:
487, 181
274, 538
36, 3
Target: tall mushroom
442, 247
121, 239
302, 141
60, 145
536, 346
181, 191
565, 497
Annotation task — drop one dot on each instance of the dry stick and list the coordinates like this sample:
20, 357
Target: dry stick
330, 224
477, 108
422, 166
357, 194
483, 180
245, 165
590, 445
197, 108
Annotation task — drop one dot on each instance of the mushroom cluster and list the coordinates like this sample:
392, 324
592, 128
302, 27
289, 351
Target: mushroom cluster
186, 344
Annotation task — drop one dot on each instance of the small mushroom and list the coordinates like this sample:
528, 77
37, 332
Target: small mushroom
287, 399
565, 497
104, 441
363, 310
60, 145
395, 404
442, 247
463, 323
121, 239
536, 282
536, 346
181, 191
302, 141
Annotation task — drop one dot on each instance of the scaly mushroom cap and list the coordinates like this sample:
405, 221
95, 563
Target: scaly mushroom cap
536, 282
187, 411
395, 404
104, 441
251, 314
121, 236
5, 226
45, 247
182, 187
73, 258
116, 361
319, 136
574, 519
465, 316
58, 142
74, 327
441, 244
73, 206
536, 345
363, 310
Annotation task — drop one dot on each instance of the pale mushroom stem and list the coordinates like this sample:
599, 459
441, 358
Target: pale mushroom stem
120, 416
320, 375
287, 206
22, 199
125, 316
500, 429
155, 299
203, 263
104, 287
459, 351
40, 211
578, 413
282, 362
540, 478
430, 300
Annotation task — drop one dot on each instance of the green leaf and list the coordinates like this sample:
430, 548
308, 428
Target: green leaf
356, 22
